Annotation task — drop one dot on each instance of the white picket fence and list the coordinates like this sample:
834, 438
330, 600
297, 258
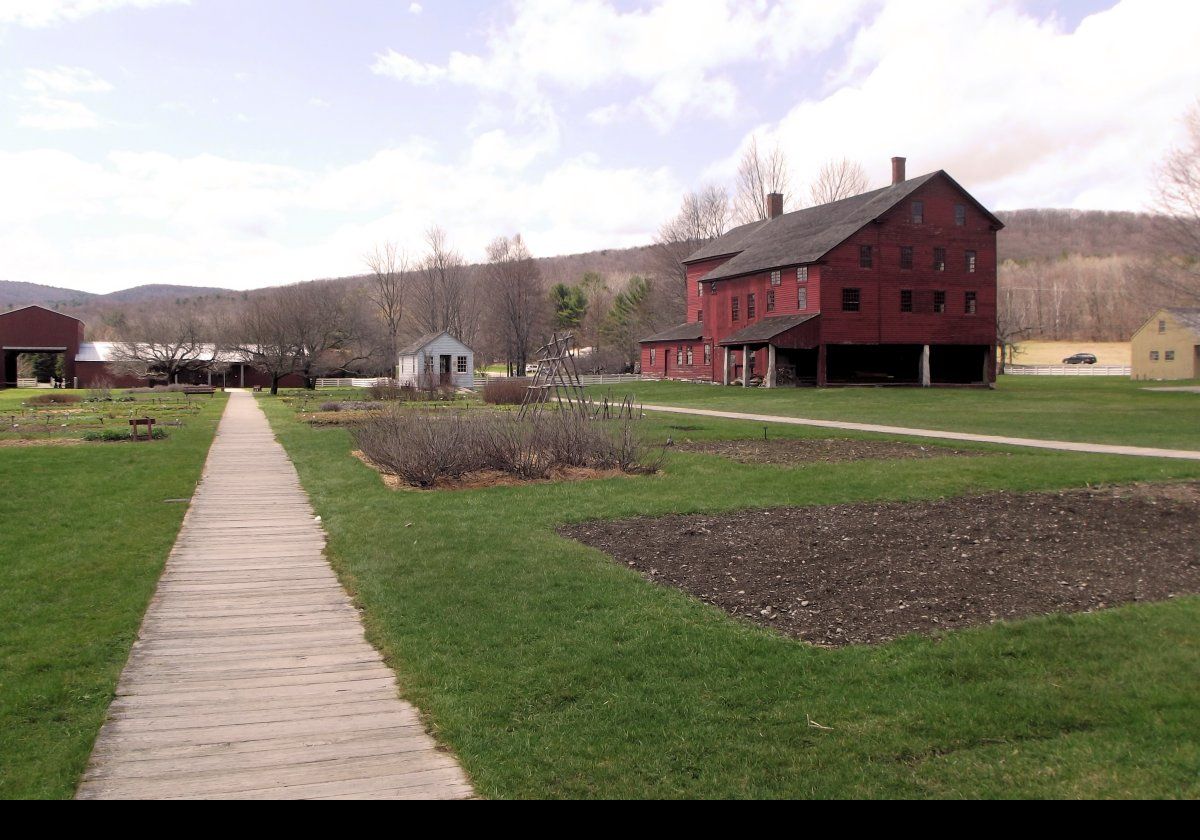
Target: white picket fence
353, 383
1067, 370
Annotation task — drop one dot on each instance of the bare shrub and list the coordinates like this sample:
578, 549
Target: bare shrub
418, 446
389, 391
52, 399
508, 390
331, 406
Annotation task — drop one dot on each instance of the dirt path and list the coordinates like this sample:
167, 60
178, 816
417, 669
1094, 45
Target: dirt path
1035, 443
251, 677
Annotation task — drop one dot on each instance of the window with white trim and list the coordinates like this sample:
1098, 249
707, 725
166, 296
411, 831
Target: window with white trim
776, 278
461, 364
802, 274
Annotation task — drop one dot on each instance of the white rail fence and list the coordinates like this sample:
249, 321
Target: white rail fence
480, 381
353, 383
1067, 370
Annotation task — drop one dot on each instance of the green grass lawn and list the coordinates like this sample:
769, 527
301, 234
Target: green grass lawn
553, 672
1091, 409
84, 532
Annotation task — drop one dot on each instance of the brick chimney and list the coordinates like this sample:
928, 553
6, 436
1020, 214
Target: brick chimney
897, 170
774, 205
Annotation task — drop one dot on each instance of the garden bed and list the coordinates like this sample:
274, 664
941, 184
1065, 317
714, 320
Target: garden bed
481, 479
788, 451
865, 573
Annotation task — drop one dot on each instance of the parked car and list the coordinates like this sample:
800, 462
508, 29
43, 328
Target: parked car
1080, 359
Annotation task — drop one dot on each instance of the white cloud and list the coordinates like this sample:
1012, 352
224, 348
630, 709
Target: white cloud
50, 114
45, 106
64, 80
318, 102
41, 13
679, 52
415, 9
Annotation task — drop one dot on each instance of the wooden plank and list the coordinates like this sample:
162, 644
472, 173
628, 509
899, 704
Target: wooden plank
251, 676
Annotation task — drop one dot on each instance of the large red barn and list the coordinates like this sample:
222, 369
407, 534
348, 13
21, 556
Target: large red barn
897, 285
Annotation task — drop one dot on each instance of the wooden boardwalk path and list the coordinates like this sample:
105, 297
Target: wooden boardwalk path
251, 677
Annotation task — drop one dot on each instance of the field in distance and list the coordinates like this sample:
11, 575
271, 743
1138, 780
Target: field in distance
1053, 352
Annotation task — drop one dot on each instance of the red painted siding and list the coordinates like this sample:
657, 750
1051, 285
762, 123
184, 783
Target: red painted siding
666, 363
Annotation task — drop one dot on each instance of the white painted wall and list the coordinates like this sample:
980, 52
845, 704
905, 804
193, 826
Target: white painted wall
410, 368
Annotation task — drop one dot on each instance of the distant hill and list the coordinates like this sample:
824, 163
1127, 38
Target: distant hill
14, 294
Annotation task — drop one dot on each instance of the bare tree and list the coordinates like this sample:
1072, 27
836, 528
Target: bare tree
514, 286
389, 265
442, 298
702, 217
1178, 202
838, 179
167, 341
759, 173
261, 333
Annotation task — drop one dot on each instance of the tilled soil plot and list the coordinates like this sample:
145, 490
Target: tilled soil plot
864, 573
813, 450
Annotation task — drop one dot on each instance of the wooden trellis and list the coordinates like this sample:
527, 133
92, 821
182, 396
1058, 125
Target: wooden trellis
556, 379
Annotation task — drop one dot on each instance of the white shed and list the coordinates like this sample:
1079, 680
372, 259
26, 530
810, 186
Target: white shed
436, 358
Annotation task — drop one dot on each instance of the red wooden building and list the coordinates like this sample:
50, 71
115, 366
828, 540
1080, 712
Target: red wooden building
897, 285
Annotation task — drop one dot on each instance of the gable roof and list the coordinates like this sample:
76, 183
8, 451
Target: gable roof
767, 328
43, 308
691, 331
1189, 317
804, 236
418, 345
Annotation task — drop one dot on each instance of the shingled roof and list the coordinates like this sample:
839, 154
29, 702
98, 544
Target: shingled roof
767, 328
691, 331
804, 236
1190, 318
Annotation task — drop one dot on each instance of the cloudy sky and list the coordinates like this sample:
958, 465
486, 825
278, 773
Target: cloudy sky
243, 143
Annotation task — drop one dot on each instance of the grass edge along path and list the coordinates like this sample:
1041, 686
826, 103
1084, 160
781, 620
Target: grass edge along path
553, 672
86, 532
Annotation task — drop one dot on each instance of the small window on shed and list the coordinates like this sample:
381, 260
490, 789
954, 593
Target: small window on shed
1169, 355
1154, 355
906, 300
970, 303
770, 300
906, 256
699, 314
802, 298
918, 212
735, 308
939, 259
802, 274
776, 278
939, 302
960, 214
864, 256
750, 307
460, 364
970, 260
851, 300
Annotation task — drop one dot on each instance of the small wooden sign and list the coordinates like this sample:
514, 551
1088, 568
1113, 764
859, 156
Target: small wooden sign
138, 422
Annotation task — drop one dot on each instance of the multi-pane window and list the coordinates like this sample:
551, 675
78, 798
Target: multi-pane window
1154, 355
906, 256
770, 300
906, 300
939, 259
678, 357
699, 288
864, 256
750, 306
970, 303
802, 274
851, 300
652, 354
939, 302
735, 308
970, 261
1169, 355
689, 355
960, 214
802, 298
708, 354
461, 364
776, 278
918, 212
712, 287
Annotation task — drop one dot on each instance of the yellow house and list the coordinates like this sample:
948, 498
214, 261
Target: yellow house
1168, 346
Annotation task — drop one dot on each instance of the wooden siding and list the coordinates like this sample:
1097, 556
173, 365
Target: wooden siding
409, 368
1176, 337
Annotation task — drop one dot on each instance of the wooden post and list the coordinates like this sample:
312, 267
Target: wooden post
822, 378
770, 366
925, 366
725, 369
745, 365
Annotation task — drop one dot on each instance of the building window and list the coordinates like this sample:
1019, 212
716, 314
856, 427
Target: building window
802, 298
750, 309
906, 300
906, 256
1154, 355
970, 260
651, 357
678, 357
851, 300
461, 364
699, 288
939, 259
939, 302
918, 212
770, 300
712, 287
802, 274
960, 214
864, 256
735, 310
699, 314
1162, 326
970, 303
776, 278
708, 354
1170, 356
689, 355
